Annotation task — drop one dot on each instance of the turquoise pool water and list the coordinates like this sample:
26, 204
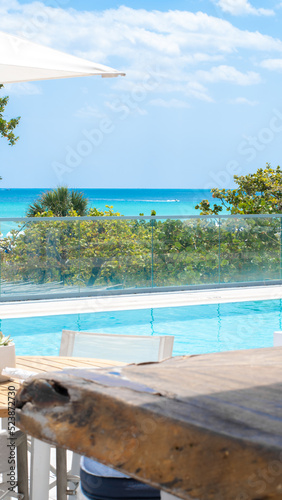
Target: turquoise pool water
197, 329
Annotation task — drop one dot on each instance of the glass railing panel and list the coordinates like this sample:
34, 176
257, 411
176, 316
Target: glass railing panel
41, 257
185, 252
115, 254
250, 249
11, 231
49, 257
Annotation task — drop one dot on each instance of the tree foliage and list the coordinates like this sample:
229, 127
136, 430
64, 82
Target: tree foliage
59, 202
105, 252
258, 193
7, 126
78, 252
115, 252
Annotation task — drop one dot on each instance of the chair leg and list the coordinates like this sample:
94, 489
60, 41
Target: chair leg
167, 496
75, 464
22, 465
4, 426
40, 466
61, 466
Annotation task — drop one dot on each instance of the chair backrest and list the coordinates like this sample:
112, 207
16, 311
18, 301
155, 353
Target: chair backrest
126, 348
277, 339
5, 452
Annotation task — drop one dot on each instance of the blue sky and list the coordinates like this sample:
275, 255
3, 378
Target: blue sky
200, 102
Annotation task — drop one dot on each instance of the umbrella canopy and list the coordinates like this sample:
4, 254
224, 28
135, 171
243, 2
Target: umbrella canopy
25, 61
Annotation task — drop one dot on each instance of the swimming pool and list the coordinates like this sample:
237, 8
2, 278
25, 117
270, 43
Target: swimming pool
197, 329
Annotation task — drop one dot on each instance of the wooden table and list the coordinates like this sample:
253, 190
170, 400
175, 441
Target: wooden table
206, 427
43, 364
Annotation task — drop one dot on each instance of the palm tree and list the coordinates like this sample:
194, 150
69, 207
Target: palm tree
59, 201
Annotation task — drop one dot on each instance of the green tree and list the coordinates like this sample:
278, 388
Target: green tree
258, 193
89, 252
7, 126
113, 252
106, 252
59, 202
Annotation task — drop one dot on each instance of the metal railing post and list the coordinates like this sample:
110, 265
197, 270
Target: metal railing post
219, 249
152, 254
280, 248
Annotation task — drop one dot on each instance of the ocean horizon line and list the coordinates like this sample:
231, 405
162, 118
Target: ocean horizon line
14, 202
109, 189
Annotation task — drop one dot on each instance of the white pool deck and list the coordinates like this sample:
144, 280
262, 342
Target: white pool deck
51, 307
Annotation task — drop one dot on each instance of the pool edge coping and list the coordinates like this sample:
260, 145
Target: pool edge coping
59, 306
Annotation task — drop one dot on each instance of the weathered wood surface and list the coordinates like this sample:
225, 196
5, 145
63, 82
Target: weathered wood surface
206, 427
43, 364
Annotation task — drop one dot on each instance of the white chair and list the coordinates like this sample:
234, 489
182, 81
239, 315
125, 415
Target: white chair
7, 454
277, 339
124, 348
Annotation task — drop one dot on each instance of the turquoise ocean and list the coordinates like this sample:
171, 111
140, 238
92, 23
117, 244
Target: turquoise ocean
14, 202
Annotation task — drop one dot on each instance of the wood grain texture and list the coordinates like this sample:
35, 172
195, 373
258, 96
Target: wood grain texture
204, 427
42, 364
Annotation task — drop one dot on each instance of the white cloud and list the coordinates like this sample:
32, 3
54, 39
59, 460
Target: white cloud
24, 88
118, 105
229, 74
244, 100
87, 112
130, 33
198, 91
242, 7
179, 49
272, 64
8, 4
172, 103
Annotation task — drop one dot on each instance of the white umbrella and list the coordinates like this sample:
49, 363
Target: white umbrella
23, 61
